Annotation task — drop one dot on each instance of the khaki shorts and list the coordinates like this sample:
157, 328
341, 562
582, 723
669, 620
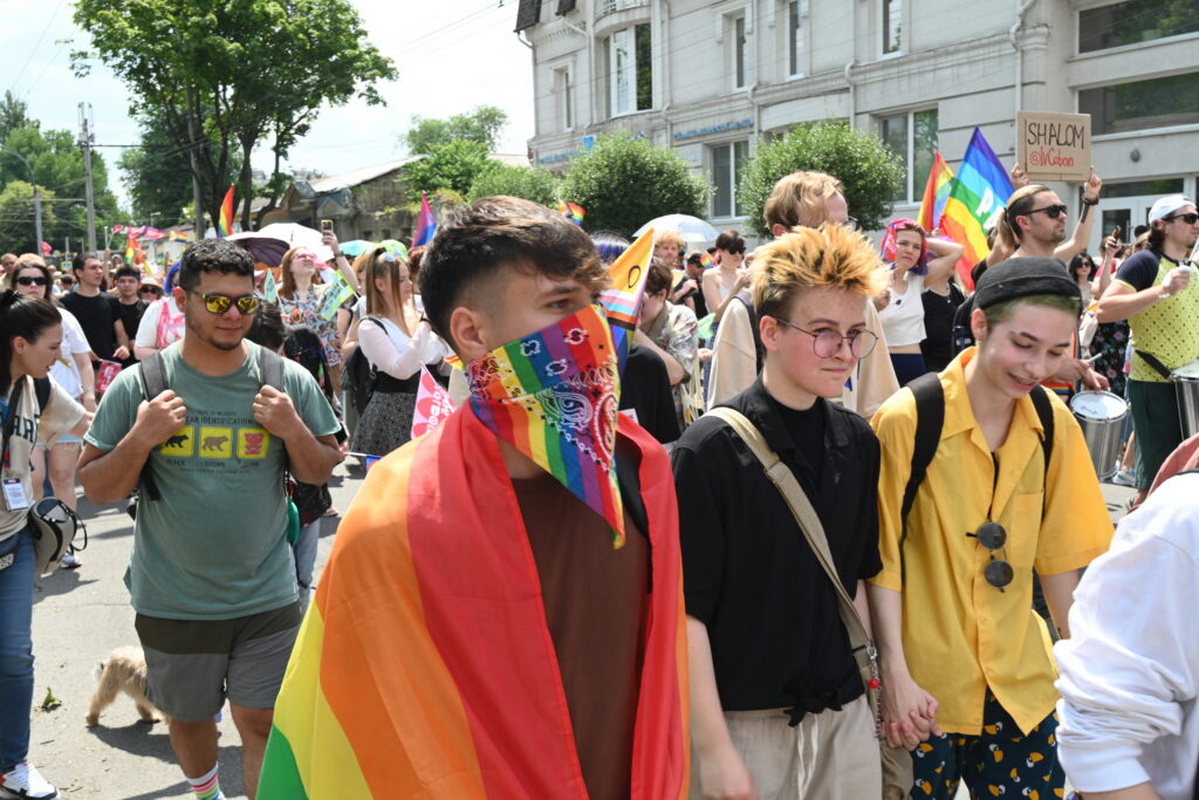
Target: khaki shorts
192, 666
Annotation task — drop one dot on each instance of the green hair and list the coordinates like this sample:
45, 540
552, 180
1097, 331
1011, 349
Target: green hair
1002, 311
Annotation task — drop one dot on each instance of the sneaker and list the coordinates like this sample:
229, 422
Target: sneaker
1124, 478
70, 561
24, 782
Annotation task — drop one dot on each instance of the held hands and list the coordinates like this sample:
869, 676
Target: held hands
909, 713
273, 410
1019, 176
158, 419
1178, 279
743, 279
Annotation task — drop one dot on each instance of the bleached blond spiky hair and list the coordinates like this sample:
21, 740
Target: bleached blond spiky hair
832, 256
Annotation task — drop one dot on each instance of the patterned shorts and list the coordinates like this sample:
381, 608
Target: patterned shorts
1001, 762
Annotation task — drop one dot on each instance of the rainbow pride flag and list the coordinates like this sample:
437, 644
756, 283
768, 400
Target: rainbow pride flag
572, 211
979, 192
426, 224
936, 193
224, 224
421, 673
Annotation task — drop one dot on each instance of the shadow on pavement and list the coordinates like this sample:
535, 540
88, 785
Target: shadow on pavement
61, 582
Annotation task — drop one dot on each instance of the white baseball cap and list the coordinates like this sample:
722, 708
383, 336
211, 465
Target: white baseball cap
1165, 206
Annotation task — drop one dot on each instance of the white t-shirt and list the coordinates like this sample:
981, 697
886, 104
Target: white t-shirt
391, 350
74, 340
903, 318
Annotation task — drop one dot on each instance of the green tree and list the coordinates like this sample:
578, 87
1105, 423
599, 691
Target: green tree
227, 77
870, 172
483, 124
56, 162
452, 165
538, 185
623, 182
16, 217
13, 114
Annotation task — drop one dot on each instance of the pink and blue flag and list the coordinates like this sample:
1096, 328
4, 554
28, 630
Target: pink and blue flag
426, 224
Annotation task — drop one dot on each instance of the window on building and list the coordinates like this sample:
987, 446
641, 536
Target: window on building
628, 55
913, 137
795, 38
728, 161
892, 13
1138, 105
563, 92
1133, 22
739, 54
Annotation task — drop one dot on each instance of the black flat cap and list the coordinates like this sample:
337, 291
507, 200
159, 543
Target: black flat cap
1024, 277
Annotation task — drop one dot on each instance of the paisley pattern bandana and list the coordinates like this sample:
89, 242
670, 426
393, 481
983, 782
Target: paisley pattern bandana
553, 396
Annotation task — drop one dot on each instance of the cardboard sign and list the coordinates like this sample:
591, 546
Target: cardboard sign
1054, 147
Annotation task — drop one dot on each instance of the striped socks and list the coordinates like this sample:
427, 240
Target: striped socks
207, 786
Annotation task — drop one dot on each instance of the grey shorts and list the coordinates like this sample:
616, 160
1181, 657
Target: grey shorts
192, 666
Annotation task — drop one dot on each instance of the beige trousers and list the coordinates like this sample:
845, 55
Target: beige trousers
833, 755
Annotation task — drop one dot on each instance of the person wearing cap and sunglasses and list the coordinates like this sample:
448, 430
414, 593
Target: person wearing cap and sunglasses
962, 653
212, 577
1152, 291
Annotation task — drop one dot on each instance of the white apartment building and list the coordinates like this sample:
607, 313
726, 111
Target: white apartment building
711, 79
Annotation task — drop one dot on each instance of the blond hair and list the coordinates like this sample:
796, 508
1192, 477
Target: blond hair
832, 256
799, 199
670, 237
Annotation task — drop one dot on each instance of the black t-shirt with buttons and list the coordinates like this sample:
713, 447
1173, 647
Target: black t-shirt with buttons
749, 574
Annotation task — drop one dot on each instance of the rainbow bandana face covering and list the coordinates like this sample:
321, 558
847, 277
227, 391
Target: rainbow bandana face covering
553, 396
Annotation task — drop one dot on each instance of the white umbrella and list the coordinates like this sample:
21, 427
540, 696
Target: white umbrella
692, 229
291, 234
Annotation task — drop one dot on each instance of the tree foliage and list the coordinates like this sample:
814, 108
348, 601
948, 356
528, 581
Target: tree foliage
54, 162
158, 175
226, 77
451, 165
623, 182
530, 183
870, 172
484, 124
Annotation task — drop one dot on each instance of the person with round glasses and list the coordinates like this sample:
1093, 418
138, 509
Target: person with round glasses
963, 654
774, 685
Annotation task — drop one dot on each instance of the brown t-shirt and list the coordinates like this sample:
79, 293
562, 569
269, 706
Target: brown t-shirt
595, 603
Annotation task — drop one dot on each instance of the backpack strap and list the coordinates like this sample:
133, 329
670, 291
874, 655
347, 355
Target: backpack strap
759, 350
930, 418
1040, 401
270, 365
152, 374
42, 388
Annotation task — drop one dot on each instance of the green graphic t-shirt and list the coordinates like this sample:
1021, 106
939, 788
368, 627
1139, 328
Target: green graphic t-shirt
215, 545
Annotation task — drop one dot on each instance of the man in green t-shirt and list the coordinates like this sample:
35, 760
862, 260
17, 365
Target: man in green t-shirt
212, 577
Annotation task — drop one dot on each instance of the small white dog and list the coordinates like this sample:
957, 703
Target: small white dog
123, 671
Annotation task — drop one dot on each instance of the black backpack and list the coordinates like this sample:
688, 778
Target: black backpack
930, 417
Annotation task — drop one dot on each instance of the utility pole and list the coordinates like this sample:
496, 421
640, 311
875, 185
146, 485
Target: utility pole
37, 199
85, 141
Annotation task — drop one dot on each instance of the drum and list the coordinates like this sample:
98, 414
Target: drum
1186, 387
1101, 416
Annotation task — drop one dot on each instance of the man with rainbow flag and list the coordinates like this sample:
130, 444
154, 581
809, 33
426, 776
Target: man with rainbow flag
501, 615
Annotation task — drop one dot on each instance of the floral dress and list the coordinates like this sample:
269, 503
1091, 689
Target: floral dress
1108, 347
298, 312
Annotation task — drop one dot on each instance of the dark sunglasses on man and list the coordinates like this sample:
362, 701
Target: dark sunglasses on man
1053, 212
1189, 219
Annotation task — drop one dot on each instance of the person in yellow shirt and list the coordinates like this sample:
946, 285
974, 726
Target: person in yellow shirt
963, 655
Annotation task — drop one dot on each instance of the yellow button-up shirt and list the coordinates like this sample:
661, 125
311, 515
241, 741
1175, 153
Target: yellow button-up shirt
962, 635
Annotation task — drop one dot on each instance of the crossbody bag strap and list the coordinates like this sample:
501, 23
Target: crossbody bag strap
809, 522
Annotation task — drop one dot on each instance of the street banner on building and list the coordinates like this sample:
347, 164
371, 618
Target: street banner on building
1054, 147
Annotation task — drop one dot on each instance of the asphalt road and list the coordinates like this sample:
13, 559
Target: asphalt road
80, 616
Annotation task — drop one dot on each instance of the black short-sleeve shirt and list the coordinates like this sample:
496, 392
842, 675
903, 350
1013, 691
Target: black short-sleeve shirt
749, 574
1140, 270
96, 316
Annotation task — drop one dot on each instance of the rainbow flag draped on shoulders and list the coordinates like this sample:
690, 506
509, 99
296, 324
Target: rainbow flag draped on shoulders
421, 673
